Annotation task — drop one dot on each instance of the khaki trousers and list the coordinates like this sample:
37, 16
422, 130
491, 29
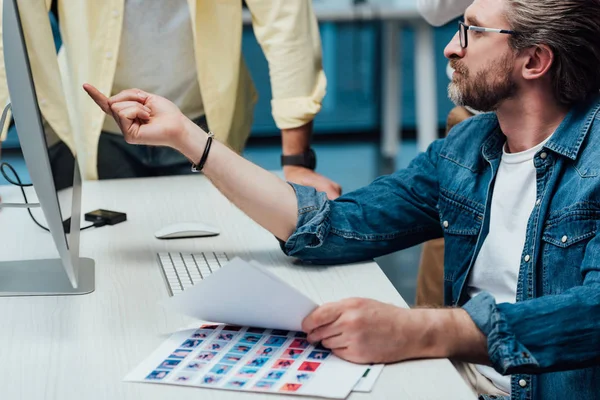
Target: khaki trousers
430, 278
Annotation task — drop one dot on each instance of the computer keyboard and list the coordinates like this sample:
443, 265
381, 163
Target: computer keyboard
182, 270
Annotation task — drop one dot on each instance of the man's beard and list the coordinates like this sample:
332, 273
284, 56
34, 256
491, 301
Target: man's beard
487, 89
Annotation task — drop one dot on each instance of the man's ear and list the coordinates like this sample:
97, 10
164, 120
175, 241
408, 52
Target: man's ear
539, 61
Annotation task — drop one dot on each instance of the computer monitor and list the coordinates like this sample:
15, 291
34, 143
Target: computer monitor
68, 274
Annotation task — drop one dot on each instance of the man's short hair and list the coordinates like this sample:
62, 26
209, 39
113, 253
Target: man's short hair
571, 28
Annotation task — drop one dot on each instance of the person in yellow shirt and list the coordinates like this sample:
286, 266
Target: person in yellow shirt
192, 56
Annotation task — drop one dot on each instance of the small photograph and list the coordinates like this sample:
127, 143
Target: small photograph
227, 336
216, 346
236, 383
279, 332
231, 358
157, 375
292, 353
319, 346
180, 354
318, 355
196, 366
191, 343
300, 334
258, 361
251, 338
206, 356
184, 377
210, 379
266, 351
290, 387
240, 348
232, 328
308, 366
275, 341
220, 369
282, 364
302, 377
209, 326
201, 334
274, 375
247, 372
168, 364
255, 330
300, 343
263, 385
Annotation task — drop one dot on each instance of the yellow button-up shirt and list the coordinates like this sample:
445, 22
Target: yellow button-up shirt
287, 31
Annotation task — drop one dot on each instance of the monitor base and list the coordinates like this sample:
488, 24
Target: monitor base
44, 278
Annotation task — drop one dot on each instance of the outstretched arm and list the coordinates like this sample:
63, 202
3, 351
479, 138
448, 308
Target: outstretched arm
149, 119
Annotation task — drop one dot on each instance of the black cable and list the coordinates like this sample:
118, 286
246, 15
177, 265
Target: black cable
22, 185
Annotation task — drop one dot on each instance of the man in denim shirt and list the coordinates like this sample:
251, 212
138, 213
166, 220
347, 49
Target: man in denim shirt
515, 194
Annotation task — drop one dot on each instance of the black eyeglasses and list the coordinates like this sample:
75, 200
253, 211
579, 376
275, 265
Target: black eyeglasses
464, 28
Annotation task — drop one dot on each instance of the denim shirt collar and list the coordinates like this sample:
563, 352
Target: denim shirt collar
571, 133
492, 146
567, 138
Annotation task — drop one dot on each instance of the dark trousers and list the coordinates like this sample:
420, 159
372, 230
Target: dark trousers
118, 159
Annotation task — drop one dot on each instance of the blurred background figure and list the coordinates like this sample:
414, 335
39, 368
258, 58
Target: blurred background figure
440, 12
193, 57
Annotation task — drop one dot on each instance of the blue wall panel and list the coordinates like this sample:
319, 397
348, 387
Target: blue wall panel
352, 63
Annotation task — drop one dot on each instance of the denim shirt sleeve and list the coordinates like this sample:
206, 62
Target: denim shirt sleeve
392, 213
550, 333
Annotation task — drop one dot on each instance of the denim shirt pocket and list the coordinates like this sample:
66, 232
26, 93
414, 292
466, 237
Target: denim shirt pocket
461, 225
564, 243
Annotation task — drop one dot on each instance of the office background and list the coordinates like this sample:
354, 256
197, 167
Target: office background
347, 130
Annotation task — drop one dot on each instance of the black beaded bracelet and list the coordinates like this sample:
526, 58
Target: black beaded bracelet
198, 167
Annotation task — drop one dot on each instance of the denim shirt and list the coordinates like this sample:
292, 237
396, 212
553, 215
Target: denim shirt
549, 340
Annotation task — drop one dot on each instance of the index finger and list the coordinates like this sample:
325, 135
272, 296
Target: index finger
323, 315
98, 97
129, 95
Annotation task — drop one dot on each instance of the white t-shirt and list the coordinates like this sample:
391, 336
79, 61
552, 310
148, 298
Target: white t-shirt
496, 269
157, 55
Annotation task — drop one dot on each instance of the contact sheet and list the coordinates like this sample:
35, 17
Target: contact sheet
249, 359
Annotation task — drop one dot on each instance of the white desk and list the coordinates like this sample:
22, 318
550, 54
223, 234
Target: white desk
393, 13
81, 347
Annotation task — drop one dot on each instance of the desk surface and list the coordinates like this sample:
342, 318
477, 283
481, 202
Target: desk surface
81, 347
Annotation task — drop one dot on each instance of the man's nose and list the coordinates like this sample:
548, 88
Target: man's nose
454, 49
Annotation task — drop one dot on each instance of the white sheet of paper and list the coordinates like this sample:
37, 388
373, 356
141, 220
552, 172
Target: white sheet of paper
366, 383
245, 294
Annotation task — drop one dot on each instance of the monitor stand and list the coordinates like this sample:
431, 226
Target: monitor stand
44, 278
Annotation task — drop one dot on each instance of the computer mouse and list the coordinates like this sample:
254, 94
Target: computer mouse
186, 230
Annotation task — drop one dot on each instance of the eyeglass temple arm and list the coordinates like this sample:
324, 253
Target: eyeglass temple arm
480, 29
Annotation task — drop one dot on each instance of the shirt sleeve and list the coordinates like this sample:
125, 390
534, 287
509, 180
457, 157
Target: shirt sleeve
288, 34
4, 97
550, 333
440, 12
394, 212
